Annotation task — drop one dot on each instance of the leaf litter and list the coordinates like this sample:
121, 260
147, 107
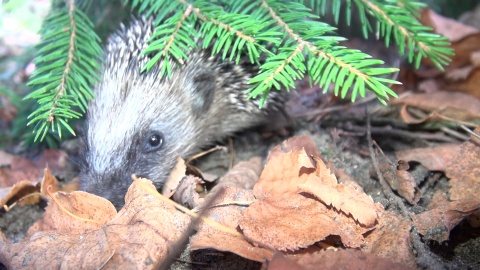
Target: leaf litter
289, 204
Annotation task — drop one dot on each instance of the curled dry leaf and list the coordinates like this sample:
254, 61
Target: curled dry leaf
285, 217
186, 193
138, 237
174, 178
437, 223
469, 85
464, 38
51, 183
464, 171
433, 158
23, 193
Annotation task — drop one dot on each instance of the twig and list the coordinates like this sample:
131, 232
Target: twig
402, 133
217, 147
470, 131
454, 134
179, 246
230, 145
335, 108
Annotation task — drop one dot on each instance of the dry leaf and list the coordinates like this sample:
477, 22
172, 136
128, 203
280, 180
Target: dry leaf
469, 85
437, 223
24, 169
285, 218
228, 215
475, 58
464, 171
90, 213
391, 238
175, 177
295, 143
23, 192
140, 236
401, 181
457, 106
186, 193
49, 183
6, 159
348, 199
433, 158
245, 174
450, 28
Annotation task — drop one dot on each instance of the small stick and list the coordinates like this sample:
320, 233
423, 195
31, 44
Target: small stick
201, 154
230, 145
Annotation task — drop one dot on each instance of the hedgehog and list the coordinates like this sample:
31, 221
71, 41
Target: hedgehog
139, 123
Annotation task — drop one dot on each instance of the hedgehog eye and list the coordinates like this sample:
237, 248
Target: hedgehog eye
154, 141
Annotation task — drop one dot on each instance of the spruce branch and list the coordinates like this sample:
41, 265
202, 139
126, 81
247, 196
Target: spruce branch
285, 36
397, 18
67, 66
172, 39
420, 41
327, 63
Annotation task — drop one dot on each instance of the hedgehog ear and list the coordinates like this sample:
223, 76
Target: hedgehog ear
203, 91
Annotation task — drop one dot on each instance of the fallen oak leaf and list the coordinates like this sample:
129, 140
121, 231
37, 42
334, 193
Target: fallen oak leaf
49, 182
454, 105
20, 168
293, 144
447, 27
468, 85
245, 174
